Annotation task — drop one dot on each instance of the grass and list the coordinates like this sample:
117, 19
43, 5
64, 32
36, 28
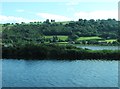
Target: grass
48, 37
63, 22
59, 37
89, 38
63, 42
110, 40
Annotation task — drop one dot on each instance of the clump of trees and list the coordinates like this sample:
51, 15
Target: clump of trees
55, 51
34, 32
27, 40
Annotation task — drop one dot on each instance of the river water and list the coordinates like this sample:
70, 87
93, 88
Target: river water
99, 47
53, 73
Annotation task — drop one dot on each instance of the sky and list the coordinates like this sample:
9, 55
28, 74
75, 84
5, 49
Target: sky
69, 10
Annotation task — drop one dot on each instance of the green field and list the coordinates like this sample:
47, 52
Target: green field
62, 42
59, 37
89, 38
64, 38
63, 22
109, 41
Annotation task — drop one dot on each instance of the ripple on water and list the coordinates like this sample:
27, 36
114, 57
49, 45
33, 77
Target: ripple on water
51, 73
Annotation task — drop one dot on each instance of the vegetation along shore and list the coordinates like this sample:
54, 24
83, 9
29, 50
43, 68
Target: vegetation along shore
59, 52
50, 39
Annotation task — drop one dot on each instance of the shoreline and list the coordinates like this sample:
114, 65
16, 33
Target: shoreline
61, 59
58, 52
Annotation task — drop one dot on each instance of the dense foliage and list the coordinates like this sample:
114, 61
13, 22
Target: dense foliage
35, 32
55, 51
38, 40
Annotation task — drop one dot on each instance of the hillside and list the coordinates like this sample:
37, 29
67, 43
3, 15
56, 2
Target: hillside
92, 31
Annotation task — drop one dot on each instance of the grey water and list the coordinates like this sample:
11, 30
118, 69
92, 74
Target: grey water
53, 73
99, 47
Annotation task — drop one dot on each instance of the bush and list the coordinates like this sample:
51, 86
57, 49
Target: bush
48, 51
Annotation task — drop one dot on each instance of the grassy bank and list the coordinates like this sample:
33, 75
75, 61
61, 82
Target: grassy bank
56, 51
60, 37
89, 38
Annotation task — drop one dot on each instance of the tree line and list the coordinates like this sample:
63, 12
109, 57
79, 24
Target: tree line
58, 52
35, 32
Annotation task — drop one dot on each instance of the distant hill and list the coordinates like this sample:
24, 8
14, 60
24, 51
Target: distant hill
72, 30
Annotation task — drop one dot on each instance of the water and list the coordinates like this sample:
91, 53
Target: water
99, 47
51, 73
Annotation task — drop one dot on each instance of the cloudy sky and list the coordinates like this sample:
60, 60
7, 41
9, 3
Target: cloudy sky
21, 11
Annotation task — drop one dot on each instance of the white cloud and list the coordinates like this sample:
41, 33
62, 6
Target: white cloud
53, 16
13, 19
103, 14
20, 10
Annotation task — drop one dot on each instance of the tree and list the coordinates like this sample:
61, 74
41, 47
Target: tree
73, 37
47, 21
52, 20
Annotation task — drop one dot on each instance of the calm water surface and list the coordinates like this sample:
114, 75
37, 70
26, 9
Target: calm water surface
99, 47
51, 73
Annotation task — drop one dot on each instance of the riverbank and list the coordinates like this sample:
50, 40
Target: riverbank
56, 51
